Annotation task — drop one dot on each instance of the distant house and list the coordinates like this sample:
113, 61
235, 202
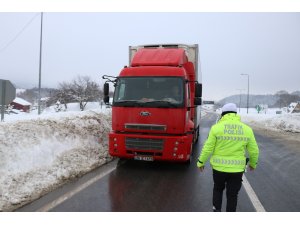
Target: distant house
294, 107
21, 104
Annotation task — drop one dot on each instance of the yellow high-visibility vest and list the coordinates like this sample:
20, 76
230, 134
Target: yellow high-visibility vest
227, 142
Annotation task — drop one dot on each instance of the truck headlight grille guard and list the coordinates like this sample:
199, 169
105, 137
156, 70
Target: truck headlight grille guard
144, 143
153, 127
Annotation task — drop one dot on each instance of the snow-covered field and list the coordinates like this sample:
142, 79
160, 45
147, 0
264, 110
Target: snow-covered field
283, 122
40, 153
287, 122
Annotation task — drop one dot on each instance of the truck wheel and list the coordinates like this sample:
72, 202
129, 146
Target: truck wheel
121, 161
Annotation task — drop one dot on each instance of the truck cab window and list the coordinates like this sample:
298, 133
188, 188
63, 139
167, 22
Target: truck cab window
153, 91
121, 91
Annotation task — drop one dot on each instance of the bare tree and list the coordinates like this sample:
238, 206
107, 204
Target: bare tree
64, 94
84, 90
81, 90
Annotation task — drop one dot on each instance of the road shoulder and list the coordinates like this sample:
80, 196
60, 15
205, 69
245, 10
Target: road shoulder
287, 136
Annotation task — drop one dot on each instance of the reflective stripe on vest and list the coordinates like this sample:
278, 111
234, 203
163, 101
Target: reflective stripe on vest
231, 138
228, 161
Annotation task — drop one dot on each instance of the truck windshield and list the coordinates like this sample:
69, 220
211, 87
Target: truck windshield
166, 92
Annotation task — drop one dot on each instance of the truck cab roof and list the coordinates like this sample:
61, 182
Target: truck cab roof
159, 57
153, 71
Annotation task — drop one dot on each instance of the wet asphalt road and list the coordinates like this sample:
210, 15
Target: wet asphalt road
136, 186
277, 179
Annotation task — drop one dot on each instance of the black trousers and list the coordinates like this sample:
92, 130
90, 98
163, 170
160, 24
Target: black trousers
233, 183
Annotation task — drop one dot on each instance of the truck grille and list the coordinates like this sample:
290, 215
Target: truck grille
144, 143
145, 127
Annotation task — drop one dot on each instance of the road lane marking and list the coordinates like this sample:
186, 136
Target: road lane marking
81, 187
253, 197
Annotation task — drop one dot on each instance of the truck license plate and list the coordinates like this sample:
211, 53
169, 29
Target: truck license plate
143, 158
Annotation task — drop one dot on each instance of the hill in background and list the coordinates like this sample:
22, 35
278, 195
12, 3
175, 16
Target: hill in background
280, 99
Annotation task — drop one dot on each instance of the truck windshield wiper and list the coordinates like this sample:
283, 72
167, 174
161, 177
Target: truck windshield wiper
159, 103
124, 101
168, 103
128, 102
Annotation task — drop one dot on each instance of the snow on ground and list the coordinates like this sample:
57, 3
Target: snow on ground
287, 122
40, 153
269, 119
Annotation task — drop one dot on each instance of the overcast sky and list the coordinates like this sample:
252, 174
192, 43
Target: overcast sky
264, 45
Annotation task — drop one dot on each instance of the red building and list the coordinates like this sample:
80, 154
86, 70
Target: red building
21, 104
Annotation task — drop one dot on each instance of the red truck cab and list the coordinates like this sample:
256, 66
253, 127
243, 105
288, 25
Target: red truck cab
154, 108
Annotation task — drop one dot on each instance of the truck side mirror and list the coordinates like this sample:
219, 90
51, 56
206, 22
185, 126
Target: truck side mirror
197, 101
106, 89
106, 93
198, 90
106, 99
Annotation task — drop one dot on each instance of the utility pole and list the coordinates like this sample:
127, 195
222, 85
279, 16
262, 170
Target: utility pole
248, 91
240, 99
40, 65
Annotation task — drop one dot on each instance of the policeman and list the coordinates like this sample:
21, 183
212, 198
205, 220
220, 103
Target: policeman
227, 141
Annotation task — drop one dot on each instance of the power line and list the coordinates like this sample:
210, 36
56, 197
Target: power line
19, 33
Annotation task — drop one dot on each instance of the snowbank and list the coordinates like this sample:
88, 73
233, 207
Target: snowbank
287, 122
41, 153
284, 122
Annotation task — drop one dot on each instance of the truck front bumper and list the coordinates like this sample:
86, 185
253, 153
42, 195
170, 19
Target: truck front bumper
150, 147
